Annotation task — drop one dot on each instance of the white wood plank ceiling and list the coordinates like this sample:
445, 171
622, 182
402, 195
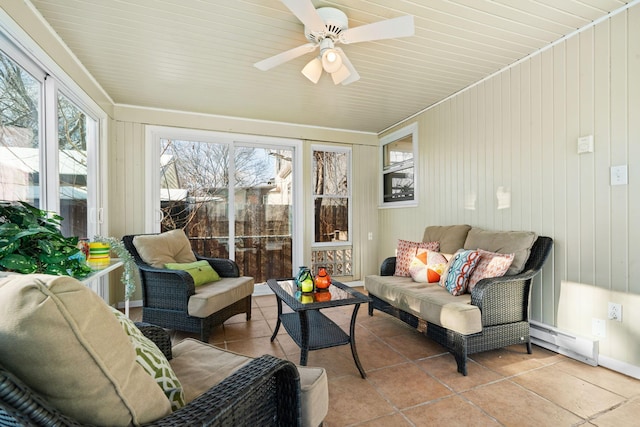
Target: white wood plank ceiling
198, 55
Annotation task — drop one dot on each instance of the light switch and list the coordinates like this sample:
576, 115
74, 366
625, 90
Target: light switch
619, 175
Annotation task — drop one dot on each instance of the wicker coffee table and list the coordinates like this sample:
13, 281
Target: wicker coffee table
307, 326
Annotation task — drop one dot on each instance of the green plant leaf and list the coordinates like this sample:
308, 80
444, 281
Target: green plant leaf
19, 263
7, 247
46, 247
9, 229
57, 269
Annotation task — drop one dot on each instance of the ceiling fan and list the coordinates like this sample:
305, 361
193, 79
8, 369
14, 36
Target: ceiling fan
326, 27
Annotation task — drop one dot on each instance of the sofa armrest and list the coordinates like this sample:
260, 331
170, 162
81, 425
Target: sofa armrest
266, 391
388, 266
503, 299
506, 299
223, 266
158, 335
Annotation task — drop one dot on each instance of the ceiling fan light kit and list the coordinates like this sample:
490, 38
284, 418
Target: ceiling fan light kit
331, 61
324, 28
313, 70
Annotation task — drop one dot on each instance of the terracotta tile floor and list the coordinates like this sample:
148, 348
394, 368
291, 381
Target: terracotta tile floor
412, 381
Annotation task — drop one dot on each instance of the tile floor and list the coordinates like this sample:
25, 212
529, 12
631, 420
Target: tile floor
412, 381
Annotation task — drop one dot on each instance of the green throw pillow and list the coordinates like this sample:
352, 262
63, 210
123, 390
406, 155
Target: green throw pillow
201, 271
149, 356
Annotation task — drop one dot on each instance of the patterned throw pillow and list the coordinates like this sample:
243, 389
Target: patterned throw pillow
491, 264
459, 270
149, 356
406, 251
427, 266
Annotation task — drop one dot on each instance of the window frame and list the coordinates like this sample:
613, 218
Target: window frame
410, 130
349, 197
20, 48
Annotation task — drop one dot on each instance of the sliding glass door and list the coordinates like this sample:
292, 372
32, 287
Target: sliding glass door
233, 198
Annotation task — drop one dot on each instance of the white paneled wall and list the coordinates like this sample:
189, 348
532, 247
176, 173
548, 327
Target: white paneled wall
516, 132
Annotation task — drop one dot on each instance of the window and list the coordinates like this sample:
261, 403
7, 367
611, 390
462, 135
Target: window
331, 196
332, 210
20, 129
54, 170
399, 150
74, 129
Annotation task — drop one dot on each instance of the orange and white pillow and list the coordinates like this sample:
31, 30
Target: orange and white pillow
406, 251
427, 266
491, 264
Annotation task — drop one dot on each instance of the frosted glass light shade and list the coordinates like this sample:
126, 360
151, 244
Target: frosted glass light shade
340, 75
313, 70
331, 61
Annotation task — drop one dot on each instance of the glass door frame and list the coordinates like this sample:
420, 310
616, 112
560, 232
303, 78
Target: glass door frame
154, 134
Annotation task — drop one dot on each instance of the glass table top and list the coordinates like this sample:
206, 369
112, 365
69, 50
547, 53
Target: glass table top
337, 294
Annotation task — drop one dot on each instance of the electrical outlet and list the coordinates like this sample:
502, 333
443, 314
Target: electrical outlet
615, 311
598, 328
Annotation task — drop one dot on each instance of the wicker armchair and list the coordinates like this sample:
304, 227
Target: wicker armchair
166, 293
264, 392
503, 303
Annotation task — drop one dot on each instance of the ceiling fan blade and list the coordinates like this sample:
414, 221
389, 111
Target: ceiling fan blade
353, 74
281, 58
387, 29
307, 14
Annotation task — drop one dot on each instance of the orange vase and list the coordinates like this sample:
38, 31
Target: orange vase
323, 280
322, 296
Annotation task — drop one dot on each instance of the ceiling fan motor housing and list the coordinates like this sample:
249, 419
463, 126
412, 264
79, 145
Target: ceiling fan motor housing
335, 22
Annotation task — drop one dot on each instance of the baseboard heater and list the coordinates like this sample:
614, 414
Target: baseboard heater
578, 348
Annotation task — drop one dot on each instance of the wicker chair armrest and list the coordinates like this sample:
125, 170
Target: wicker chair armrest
169, 289
266, 391
388, 266
159, 336
502, 299
223, 266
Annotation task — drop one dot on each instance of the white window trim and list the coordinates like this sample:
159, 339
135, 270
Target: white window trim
412, 130
348, 242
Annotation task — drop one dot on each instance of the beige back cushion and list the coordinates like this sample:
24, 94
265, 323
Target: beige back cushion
160, 249
518, 243
451, 237
62, 340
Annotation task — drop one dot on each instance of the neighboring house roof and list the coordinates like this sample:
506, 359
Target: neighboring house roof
26, 159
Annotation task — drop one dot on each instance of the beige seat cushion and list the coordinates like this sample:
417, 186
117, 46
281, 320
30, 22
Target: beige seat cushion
62, 340
450, 237
200, 366
428, 301
518, 243
212, 297
160, 249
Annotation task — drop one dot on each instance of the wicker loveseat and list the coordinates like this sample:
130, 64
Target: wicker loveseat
67, 359
496, 312
171, 299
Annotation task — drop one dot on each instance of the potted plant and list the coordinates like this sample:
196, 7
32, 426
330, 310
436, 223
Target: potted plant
128, 264
31, 242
